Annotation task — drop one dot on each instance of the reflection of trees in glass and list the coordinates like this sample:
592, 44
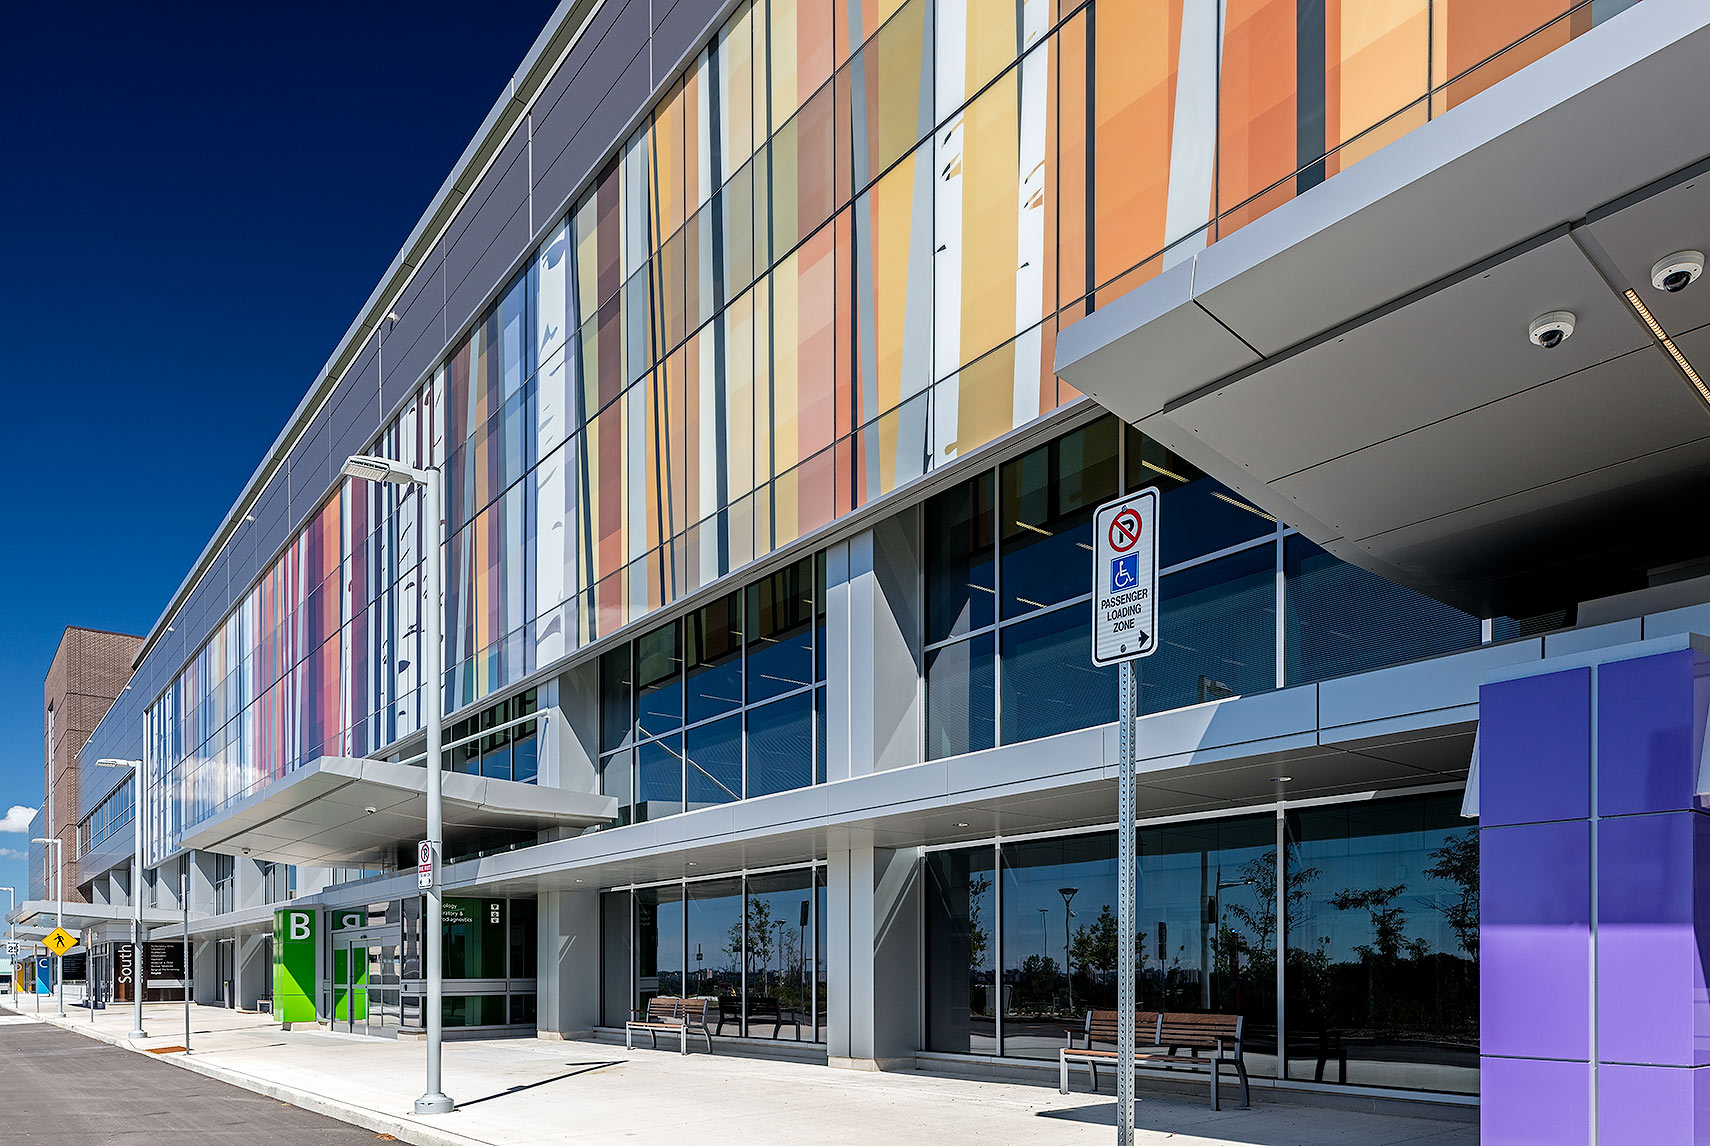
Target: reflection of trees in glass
1095, 947
978, 939
1456, 862
773, 958
1389, 923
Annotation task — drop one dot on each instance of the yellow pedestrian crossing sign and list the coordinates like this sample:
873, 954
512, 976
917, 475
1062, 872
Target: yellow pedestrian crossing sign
59, 941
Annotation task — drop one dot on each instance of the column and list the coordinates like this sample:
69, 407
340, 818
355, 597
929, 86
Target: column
1595, 900
874, 959
873, 634
568, 967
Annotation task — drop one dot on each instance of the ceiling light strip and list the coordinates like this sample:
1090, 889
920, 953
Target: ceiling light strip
1667, 344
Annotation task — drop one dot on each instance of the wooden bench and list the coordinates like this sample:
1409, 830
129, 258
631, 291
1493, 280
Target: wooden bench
1172, 1041
672, 1015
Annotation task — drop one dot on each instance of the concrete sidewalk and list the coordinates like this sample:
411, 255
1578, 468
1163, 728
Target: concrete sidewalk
524, 1090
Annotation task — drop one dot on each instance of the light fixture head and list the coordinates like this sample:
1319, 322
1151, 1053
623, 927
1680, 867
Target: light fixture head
367, 467
370, 810
1674, 273
1281, 779
1552, 329
961, 823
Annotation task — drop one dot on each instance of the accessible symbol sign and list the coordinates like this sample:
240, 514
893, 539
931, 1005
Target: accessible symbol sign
1125, 578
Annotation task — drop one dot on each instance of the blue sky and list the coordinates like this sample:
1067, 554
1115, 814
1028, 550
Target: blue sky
198, 198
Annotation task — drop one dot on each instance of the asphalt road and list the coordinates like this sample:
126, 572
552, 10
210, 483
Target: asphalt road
68, 1090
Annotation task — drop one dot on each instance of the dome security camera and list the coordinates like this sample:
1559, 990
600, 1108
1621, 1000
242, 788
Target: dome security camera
1674, 273
1551, 330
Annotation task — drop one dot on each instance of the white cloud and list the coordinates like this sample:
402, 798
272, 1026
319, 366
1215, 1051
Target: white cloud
13, 854
17, 819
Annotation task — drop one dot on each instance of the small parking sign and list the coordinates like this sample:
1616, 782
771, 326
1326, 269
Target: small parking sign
1125, 579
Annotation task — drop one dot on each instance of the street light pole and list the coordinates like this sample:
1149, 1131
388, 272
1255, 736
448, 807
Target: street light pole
139, 973
367, 468
58, 913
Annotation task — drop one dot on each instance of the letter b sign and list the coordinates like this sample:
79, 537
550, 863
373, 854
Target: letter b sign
298, 924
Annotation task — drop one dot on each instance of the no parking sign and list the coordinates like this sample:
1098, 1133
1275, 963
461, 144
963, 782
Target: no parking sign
1125, 578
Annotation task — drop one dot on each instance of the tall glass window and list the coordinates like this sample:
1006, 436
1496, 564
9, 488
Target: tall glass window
658, 943
1379, 950
780, 953
727, 704
1382, 974
754, 944
1007, 617
961, 951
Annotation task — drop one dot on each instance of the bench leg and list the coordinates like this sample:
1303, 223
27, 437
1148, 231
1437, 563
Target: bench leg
1214, 1064
1092, 1069
707, 1035
683, 1038
628, 1038
654, 1035
1246, 1096
1062, 1075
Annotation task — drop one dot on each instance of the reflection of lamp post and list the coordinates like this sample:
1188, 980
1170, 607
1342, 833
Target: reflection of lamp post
699, 977
1068, 894
801, 952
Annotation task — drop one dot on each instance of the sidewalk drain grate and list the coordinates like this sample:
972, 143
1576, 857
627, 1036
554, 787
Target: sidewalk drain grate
165, 1050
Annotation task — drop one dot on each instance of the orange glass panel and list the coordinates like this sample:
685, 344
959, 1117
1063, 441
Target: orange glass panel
1466, 33
1137, 45
1376, 54
1471, 30
666, 198
1256, 100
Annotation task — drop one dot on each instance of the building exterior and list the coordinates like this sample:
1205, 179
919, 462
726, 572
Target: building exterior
756, 342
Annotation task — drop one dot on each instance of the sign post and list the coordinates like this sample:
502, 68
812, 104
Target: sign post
1125, 628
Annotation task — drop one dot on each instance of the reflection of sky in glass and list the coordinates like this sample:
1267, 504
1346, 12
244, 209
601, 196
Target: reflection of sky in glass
715, 937
1368, 863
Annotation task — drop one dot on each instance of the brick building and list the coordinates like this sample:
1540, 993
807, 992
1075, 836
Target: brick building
88, 672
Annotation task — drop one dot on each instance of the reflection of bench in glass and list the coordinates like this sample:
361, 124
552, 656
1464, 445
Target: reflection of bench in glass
671, 1015
760, 1007
1326, 1047
1164, 1036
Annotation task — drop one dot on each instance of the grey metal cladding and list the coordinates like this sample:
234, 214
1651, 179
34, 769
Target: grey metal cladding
488, 220
593, 141
356, 405
509, 241
309, 471
678, 31
410, 345
616, 33
565, 151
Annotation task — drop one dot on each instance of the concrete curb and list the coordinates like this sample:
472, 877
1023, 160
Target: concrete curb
404, 1128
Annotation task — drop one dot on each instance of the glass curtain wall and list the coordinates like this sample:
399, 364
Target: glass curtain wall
834, 255
724, 704
1008, 616
1382, 940
1380, 945
755, 944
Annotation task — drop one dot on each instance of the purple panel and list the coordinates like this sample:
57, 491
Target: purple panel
1646, 759
1651, 1105
1533, 1102
1535, 940
1650, 983
1534, 748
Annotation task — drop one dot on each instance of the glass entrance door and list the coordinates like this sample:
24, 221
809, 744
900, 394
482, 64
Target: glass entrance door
367, 986
225, 964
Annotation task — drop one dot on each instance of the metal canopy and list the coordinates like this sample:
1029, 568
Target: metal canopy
1357, 362
943, 802
340, 810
